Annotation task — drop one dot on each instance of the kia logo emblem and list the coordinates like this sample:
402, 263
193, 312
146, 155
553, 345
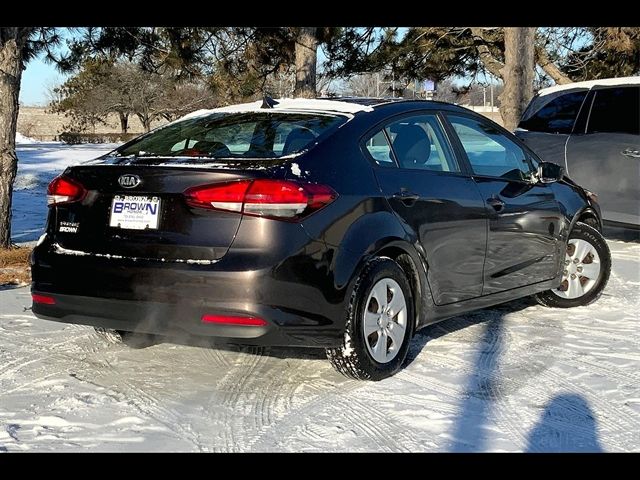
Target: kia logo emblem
129, 181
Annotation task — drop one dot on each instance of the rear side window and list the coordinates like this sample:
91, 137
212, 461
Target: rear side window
419, 144
556, 116
379, 149
254, 135
615, 110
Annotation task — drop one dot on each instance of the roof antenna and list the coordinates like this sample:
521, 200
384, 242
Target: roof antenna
268, 102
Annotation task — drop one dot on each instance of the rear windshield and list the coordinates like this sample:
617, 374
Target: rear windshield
235, 136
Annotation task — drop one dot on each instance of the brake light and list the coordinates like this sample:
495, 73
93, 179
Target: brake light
43, 299
262, 198
64, 190
234, 320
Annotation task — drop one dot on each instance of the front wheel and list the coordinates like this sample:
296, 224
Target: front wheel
586, 270
379, 323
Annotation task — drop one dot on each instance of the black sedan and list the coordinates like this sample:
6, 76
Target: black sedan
343, 224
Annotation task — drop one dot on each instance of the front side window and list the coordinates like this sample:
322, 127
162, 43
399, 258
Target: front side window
419, 143
615, 110
253, 135
556, 116
490, 152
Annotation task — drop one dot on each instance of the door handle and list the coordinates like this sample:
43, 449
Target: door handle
496, 203
631, 152
408, 198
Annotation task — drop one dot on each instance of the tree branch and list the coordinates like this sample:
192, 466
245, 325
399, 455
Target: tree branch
550, 68
492, 64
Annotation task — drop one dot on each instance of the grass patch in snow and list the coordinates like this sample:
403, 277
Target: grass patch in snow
14, 266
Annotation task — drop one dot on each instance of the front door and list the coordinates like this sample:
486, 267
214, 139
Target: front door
605, 158
436, 199
523, 245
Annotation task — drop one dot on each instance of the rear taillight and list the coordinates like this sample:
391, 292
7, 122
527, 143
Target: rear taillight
263, 198
64, 190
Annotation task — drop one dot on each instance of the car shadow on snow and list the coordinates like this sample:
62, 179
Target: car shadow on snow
453, 324
566, 424
483, 385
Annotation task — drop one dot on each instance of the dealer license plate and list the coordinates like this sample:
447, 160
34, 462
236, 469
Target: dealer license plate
135, 212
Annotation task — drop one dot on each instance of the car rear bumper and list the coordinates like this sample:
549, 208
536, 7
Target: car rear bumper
175, 320
156, 298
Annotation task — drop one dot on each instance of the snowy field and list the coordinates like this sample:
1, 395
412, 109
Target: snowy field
38, 164
517, 377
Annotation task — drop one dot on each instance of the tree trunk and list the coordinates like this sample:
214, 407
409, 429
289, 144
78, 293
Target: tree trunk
305, 59
517, 73
124, 122
11, 45
145, 120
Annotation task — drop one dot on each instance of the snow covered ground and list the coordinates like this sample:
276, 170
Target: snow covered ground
517, 377
38, 164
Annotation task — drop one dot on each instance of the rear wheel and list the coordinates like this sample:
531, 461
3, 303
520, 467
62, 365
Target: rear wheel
586, 270
379, 323
130, 339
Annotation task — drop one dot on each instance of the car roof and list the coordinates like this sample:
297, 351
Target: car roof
586, 85
340, 105
377, 102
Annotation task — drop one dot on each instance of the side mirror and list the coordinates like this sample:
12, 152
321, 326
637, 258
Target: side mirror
550, 172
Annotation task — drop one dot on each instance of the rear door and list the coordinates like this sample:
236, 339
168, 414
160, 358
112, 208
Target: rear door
604, 156
435, 198
523, 241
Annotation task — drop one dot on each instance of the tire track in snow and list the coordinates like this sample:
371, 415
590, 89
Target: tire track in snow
281, 391
51, 350
227, 407
146, 404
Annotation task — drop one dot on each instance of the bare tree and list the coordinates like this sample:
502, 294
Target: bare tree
124, 89
52, 91
281, 84
364, 85
325, 85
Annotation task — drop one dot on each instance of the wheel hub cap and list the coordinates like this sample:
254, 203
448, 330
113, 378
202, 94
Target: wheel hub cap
581, 272
385, 320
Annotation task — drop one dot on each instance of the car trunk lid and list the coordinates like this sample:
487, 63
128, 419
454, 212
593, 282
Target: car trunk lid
140, 212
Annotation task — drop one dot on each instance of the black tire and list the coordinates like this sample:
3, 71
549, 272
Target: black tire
130, 339
353, 359
585, 232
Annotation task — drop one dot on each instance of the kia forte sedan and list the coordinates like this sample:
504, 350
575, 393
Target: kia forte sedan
340, 224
